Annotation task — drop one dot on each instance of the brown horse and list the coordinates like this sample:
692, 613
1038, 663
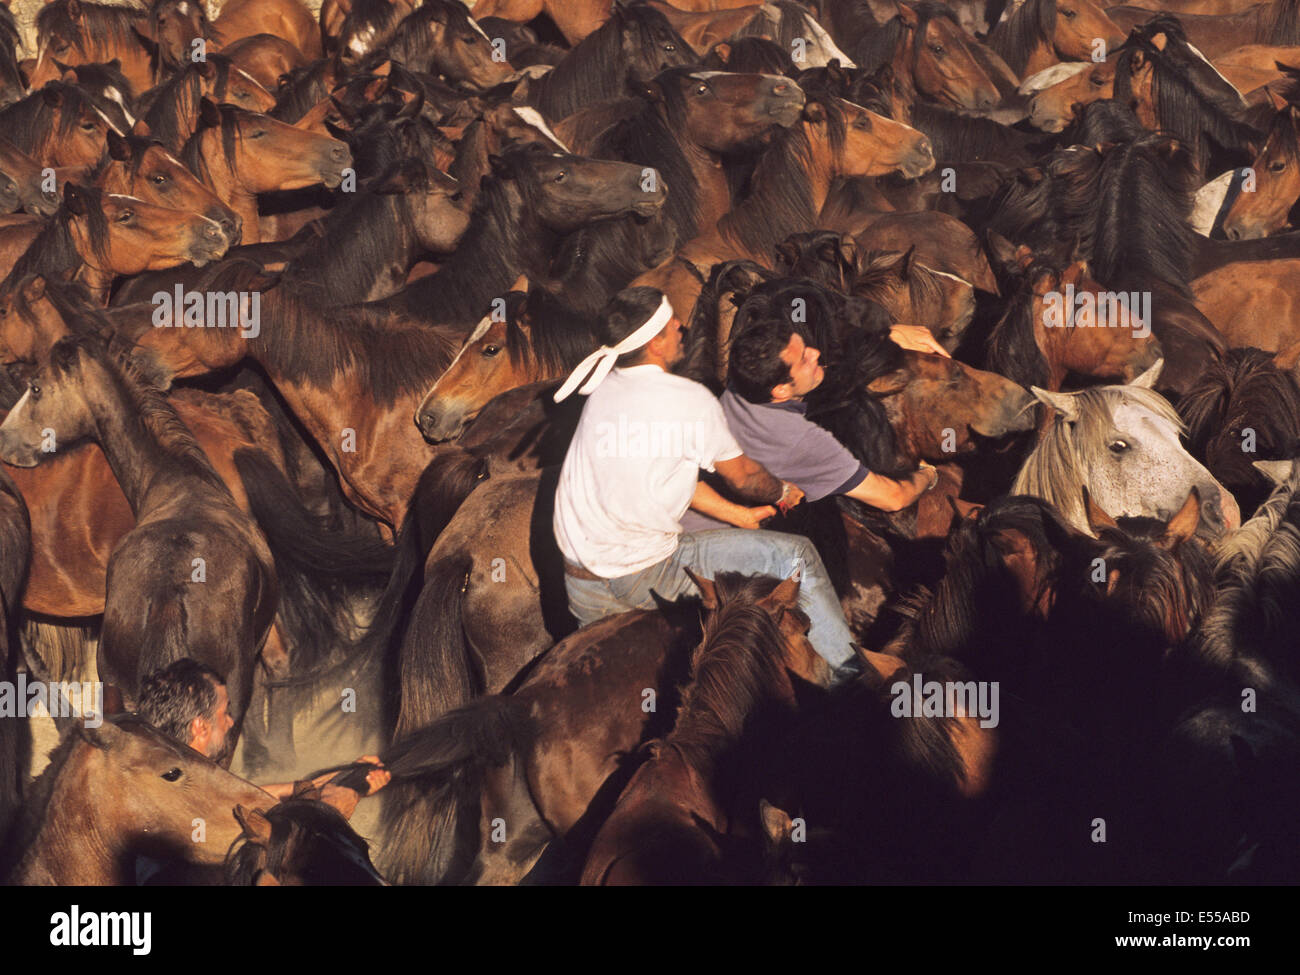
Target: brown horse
1039, 33
1273, 22
195, 577
1040, 341
1276, 180
266, 58
96, 236
1252, 303
673, 820
791, 184
22, 183
74, 32
172, 109
57, 126
239, 154
289, 19
440, 37
139, 165
576, 20
931, 56
120, 791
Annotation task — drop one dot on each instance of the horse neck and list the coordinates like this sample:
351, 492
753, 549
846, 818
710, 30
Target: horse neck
339, 258
135, 451
768, 178
499, 247
69, 847
219, 175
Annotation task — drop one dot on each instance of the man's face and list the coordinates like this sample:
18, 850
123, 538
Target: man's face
210, 736
806, 373
674, 342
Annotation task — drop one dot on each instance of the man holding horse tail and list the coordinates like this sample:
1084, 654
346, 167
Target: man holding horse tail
770, 368
633, 469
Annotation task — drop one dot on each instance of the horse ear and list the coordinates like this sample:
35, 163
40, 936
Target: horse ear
708, 592
905, 265
814, 112
1138, 60
412, 103
964, 510
1060, 402
141, 129
723, 50
265, 879
33, 288
1001, 250
883, 665
1159, 41
73, 10
1276, 98
785, 595
255, 825
777, 824
383, 70
1019, 557
1277, 471
375, 89
1183, 525
53, 97
1097, 516
208, 69
102, 736
1148, 379
787, 253
907, 15
209, 114
117, 147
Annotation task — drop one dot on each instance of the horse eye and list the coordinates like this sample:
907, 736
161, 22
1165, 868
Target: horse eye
1067, 14
670, 48
457, 196
937, 49
561, 176
36, 392
1277, 165
1097, 80
258, 134
171, 775
159, 179
490, 350
88, 126
126, 216
703, 89
1119, 446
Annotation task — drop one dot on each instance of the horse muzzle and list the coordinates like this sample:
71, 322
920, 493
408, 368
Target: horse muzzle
439, 426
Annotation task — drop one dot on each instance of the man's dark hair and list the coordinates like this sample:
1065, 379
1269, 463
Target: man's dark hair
624, 314
173, 697
754, 363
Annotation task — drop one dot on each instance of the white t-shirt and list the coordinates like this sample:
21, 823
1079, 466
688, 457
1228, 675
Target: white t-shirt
632, 467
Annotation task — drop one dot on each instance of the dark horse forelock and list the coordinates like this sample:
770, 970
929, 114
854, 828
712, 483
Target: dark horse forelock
1019, 35
97, 26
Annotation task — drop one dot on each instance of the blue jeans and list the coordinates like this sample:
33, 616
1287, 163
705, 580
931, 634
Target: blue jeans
724, 550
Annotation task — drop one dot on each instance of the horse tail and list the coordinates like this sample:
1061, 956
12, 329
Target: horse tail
444, 484
434, 672
430, 809
319, 568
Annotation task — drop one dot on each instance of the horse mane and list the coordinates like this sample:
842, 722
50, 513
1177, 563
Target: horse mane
558, 337
651, 137
1105, 120
492, 248
1279, 24
380, 15
10, 42
103, 22
164, 104
751, 55
29, 124
700, 354
1183, 109
380, 141
735, 672
359, 234
192, 154
54, 252
1017, 37
302, 88
1246, 382
1257, 579
782, 195
71, 299
1140, 228
1012, 350
597, 64
313, 342
958, 137
877, 268
1066, 448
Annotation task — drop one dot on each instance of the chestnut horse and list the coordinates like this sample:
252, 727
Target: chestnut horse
1039, 33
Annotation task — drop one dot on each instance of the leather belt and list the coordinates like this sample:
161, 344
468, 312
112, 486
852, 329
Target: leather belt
578, 572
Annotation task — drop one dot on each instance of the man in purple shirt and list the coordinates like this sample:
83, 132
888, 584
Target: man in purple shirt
770, 370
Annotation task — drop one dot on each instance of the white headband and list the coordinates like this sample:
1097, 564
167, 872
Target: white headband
604, 357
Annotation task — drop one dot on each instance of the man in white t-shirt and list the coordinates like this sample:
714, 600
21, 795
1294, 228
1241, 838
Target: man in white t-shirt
632, 470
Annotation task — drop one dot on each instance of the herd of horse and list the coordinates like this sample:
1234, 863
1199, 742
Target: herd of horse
406, 218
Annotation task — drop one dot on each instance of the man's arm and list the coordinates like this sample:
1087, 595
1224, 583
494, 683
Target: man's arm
888, 494
750, 479
709, 502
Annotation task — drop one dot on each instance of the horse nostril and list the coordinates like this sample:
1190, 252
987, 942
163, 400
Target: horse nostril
339, 152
